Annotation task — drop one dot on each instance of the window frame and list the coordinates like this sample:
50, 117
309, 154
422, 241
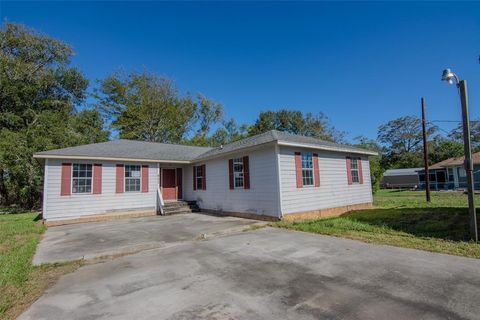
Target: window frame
202, 177
238, 174
72, 178
310, 169
356, 169
125, 178
462, 173
450, 174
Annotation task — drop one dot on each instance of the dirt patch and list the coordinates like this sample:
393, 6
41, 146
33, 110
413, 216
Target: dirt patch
41, 279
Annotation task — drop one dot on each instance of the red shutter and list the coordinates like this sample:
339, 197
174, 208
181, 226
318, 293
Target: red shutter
298, 169
194, 178
230, 173
120, 178
144, 178
360, 171
97, 178
316, 170
179, 183
66, 183
246, 173
349, 171
204, 180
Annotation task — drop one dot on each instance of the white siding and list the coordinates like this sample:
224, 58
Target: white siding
262, 198
334, 190
77, 205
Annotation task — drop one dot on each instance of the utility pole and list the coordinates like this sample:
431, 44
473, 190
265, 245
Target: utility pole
425, 152
462, 85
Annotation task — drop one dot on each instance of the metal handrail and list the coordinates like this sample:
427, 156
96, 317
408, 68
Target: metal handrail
160, 202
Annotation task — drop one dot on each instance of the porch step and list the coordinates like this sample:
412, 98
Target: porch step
179, 207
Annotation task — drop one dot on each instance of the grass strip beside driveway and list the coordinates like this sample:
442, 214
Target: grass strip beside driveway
20, 282
404, 219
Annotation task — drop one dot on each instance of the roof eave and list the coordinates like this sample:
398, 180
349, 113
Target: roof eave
72, 157
327, 148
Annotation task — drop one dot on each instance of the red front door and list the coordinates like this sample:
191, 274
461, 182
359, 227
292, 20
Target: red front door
169, 185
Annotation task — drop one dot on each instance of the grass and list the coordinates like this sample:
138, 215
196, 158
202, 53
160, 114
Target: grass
20, 282
404, 219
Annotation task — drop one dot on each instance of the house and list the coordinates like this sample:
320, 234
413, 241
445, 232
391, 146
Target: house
440, 177
271, 176
450, 174
400, 178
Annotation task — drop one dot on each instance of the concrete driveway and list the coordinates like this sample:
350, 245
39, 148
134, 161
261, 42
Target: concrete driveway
96, 239
269, 274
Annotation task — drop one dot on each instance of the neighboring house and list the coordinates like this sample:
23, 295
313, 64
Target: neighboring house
273, 175
400, 178
450, 174
440, 177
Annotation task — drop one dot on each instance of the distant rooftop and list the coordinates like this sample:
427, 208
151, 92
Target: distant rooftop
402, 172
453, 162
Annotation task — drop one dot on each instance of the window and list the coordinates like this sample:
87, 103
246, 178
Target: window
238, 173
132, 178
82, 178
199, 177
307, 169
450, 174
421, 177
461, 172
354, 170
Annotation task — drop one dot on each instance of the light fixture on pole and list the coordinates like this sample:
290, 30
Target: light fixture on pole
451, 77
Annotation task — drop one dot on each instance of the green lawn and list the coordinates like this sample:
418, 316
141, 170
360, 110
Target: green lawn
20, 282
403, 218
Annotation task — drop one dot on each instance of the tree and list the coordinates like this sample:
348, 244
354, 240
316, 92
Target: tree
403, 134
209, 112
457, 134
230, 132
38, 95
441, 149
295, 122
402, 138
376, 169
146, 107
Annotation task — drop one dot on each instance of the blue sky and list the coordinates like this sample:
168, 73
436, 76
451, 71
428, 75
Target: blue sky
362, 64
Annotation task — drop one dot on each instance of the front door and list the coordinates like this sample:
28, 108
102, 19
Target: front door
169, 185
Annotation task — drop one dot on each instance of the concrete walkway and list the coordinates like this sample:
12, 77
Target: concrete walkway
96, 239
269, 274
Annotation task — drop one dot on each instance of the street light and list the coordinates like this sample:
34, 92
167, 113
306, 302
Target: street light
451, 77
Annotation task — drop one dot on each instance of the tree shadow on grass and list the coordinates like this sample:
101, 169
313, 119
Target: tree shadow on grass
397, 190
444, 223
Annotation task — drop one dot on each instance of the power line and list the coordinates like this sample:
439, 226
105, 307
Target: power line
454, 121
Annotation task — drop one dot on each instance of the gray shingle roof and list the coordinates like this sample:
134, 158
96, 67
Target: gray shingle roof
131, 149
322, 144
282, 138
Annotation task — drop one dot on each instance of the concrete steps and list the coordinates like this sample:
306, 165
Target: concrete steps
179, 207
